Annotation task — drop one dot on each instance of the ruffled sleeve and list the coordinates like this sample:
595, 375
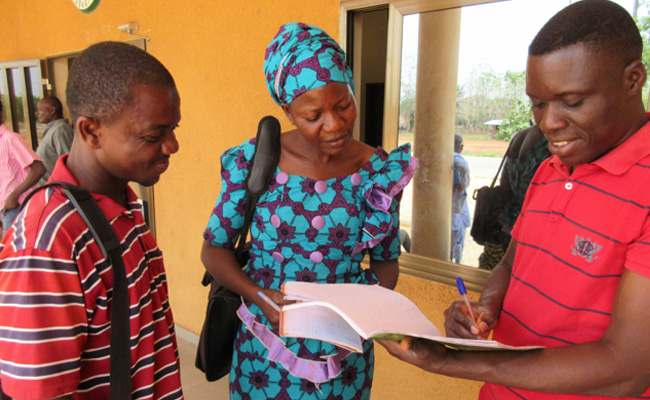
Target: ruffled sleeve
388, 174
227, 217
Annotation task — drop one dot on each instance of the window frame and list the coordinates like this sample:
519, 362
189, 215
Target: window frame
27, 103
411, 264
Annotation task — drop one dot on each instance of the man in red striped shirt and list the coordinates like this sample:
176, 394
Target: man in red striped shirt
576, 276
55, 285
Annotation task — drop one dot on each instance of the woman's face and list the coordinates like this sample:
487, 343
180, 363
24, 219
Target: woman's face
325, 116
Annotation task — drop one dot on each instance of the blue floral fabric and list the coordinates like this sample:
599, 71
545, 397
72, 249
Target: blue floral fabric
315, 231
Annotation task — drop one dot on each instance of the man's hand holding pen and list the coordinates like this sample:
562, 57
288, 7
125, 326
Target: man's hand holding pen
466, 319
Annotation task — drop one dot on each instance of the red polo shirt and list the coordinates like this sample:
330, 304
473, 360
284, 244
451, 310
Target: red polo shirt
575, 236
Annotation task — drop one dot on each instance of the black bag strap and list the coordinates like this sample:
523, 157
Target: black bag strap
260, 170
503, 160
109, 244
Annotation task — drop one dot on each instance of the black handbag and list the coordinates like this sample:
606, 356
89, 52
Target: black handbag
216, 341
489, 211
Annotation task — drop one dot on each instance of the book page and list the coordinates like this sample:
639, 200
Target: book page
476, 344
374, 311
318, 322
370, 309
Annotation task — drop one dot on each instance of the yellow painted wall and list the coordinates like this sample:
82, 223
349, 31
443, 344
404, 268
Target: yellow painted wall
397, 380
214, 50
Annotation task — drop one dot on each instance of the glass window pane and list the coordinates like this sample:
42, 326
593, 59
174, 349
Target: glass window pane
18, 112
491, 106
407, 111
35, 95
3, 94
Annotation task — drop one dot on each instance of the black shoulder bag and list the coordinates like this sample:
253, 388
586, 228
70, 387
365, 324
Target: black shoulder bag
489, 211
216, 342
109, 244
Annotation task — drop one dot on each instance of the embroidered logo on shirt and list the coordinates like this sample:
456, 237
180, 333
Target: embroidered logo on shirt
585, 248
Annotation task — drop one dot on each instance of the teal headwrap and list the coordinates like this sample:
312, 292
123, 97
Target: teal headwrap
302, 57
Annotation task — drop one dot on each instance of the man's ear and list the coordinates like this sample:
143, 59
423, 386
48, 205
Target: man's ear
88, 129
635, 76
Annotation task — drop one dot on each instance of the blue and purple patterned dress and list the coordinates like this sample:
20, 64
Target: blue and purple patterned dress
314, 231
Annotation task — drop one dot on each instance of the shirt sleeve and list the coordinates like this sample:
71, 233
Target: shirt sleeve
22, 154
382, 193
389, 247
62, 140
227, 218
43, 324
638, 252
462, 167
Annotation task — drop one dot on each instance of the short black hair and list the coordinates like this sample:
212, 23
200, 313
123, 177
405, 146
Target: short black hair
102, 78
0, 106
56, 103
605, 27
458, 142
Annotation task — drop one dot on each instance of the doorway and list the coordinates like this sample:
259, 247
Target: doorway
367, 38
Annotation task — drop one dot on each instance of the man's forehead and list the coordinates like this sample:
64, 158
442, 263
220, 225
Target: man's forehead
565, 61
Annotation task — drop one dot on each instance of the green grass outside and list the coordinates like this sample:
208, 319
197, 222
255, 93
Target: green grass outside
478, 137
467, 153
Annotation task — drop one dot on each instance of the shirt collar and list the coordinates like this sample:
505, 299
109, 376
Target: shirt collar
109, 206
621, 158
56, 122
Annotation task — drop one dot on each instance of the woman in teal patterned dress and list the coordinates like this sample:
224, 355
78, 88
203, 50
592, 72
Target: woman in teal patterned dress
331, 201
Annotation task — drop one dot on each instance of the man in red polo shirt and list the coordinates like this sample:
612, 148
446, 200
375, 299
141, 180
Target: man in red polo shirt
55, 285
576, 276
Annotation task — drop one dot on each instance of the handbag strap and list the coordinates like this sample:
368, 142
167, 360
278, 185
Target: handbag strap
503, 160
109, 244
260, 170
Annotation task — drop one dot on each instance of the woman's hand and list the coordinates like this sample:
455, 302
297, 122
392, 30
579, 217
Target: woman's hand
459, 324
271, 314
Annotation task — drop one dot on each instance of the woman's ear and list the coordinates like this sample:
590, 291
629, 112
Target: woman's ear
88, 131
287, 112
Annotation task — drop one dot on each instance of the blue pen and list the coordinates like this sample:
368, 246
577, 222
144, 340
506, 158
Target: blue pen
272, 303
463, 293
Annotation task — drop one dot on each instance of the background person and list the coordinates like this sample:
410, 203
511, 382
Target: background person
20, 169
576, 277
460, 218
56, 324
57, 136
528, 148
331, 201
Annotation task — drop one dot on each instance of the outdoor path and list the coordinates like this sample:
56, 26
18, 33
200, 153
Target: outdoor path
477, 146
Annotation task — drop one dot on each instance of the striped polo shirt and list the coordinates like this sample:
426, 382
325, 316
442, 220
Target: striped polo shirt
575, 236
56, 296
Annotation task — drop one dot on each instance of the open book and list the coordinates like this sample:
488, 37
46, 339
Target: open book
344, 314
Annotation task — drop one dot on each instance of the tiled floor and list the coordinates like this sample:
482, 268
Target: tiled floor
195, 387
